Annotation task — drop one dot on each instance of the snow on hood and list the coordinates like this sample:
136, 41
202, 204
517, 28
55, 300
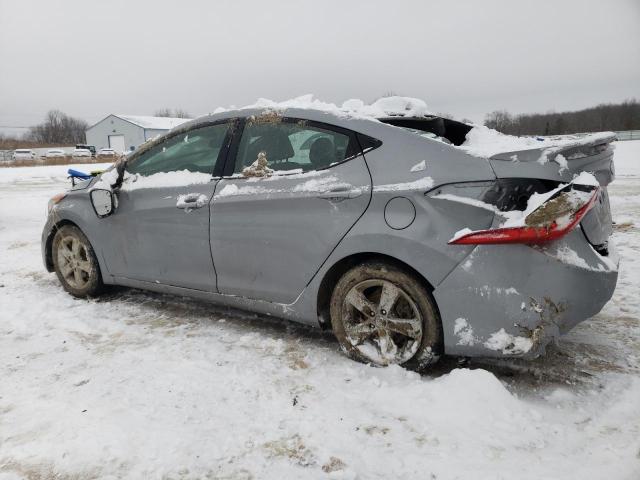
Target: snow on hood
353, 108
485, 142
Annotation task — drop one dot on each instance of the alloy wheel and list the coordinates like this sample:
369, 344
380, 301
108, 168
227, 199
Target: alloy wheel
382, 322
74, 262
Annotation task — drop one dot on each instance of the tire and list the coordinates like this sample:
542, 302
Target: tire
372, 327
75, 263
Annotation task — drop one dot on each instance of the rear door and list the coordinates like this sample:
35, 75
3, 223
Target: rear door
160, 230
272, 228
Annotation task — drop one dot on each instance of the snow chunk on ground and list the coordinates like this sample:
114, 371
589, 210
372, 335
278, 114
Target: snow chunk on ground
507, 343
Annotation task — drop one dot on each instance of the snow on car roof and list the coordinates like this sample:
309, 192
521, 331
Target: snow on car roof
480, 141
155, 123
383, 107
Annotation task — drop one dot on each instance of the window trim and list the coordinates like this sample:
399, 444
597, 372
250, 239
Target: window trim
232, 153
216, 171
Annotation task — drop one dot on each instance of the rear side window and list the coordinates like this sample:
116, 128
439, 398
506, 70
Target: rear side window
289, 144
197, 150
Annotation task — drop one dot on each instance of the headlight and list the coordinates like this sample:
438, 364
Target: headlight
53, 201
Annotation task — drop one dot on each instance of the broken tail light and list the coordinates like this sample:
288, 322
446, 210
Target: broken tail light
550, 220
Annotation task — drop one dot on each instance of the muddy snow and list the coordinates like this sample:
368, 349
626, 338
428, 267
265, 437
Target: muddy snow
141, 385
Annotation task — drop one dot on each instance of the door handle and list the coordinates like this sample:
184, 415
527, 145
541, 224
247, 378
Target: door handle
341, 193
191, 201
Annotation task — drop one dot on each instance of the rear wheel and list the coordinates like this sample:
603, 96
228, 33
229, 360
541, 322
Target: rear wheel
383, 315
75, 262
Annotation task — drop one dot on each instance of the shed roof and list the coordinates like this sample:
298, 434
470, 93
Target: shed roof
154, 123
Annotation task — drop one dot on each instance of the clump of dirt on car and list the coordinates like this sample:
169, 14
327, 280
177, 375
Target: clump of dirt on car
259, 168
267, 117
548, 212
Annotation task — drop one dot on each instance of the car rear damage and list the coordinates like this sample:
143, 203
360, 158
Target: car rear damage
545, 264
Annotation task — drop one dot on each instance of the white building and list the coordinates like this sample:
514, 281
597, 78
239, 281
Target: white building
126, 132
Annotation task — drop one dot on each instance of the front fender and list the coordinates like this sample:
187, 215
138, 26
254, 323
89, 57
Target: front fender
75, 209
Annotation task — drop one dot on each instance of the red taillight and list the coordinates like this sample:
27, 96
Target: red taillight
527, 233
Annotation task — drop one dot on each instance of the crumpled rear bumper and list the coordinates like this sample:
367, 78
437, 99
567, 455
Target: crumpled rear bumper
512, 300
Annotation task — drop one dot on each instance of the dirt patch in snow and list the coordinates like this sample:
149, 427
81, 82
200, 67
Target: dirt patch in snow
292, 448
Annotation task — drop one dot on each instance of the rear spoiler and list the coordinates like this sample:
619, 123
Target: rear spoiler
589, 144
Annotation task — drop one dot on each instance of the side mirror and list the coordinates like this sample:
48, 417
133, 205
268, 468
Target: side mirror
102, 201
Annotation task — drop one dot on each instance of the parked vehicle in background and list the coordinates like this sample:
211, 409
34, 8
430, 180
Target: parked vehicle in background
91, 148
55, 153
407, 234
107, 152
24, 154
81, 152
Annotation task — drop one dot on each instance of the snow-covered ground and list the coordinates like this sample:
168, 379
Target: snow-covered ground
141, 385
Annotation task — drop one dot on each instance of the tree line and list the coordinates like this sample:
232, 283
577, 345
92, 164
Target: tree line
603, 117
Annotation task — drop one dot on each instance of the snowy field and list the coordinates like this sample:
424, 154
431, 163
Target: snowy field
140, 385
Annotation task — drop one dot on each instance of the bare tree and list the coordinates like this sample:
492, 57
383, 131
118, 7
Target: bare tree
499, 120
617, 117
58, 128
174, 113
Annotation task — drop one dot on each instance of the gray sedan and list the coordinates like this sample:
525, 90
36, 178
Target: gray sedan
388, 230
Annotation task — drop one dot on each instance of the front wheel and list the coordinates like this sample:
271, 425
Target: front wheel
75, 263
383, 315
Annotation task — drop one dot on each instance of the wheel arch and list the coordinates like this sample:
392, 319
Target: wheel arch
48, 247
343, 265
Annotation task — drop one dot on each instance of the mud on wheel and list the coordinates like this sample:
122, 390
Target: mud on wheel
383, 315
75, 262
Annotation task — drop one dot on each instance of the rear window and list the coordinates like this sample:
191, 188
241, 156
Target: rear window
292, 144
438, 128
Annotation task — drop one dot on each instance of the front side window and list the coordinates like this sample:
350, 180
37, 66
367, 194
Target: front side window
197, 150
288, 145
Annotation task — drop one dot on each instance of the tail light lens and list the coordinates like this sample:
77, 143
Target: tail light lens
552, 218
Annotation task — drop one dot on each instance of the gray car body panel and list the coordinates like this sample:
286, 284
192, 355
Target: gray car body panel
283, 227
153, 240
397, 213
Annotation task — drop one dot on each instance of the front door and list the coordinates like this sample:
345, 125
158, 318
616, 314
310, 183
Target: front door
296, 190
160, 230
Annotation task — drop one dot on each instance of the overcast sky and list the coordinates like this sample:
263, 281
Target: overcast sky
467, 58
